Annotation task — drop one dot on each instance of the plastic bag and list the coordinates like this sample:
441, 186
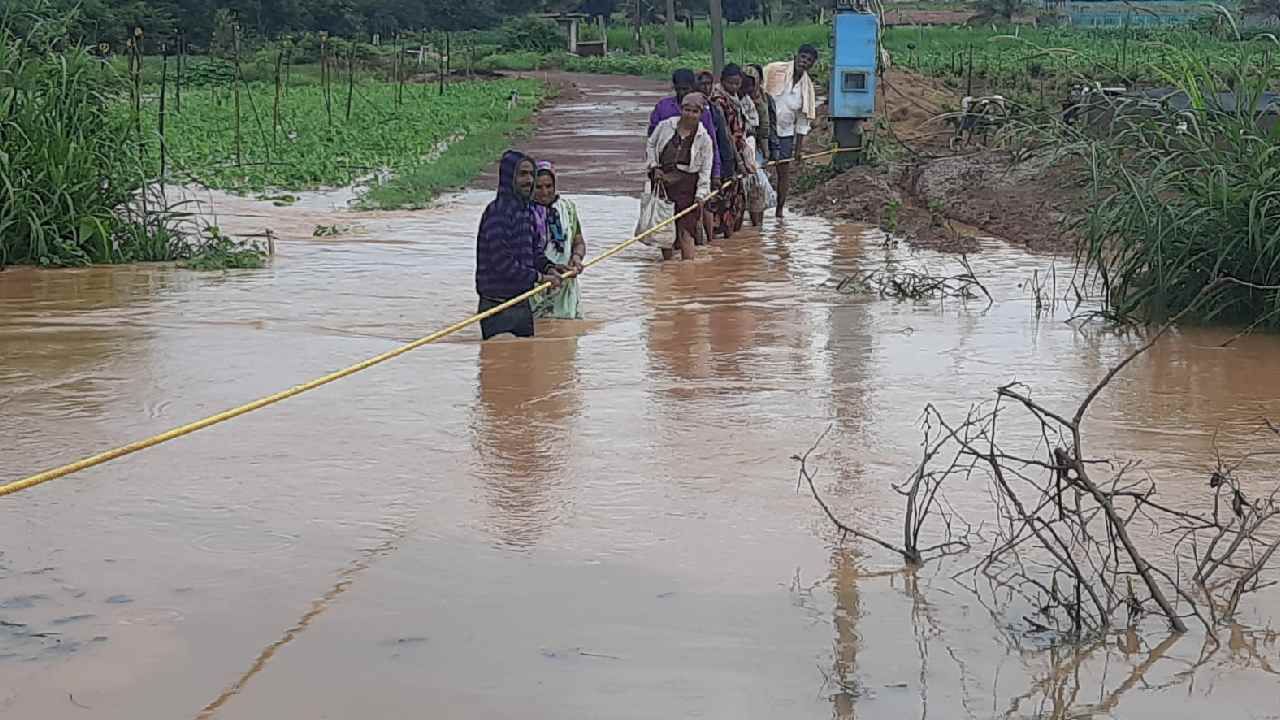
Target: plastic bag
770, 195
655, 209
755, 182
749, 155
760, 192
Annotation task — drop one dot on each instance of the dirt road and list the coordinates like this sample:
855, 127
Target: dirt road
594, 132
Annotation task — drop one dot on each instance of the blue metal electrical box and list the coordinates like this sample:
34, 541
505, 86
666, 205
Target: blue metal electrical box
853, 72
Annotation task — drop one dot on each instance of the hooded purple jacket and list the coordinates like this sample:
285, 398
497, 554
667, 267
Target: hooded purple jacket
508, 260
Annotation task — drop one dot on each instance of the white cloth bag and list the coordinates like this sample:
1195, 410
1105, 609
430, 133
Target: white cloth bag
655, 209
760, 193
770, 195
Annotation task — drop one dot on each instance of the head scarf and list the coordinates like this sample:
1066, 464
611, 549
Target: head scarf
545, 167
745, 106
756, 75
694, 97
507, 168
509, 218
546, 217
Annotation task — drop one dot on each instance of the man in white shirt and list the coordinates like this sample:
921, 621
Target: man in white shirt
796, 99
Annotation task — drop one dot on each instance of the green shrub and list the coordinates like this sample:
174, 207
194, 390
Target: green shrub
71, 174
767, 43
516, 61
530, 33
66, 163
305, 48
220, 252
204, 72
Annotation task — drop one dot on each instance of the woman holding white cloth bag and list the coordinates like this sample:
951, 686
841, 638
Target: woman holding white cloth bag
680, 156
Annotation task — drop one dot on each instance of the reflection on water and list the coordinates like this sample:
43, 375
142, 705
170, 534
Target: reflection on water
844, 671
524, 425
601, 522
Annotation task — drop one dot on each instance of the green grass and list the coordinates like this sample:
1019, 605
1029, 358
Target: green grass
651, 66
219, 252
306, 151
748, 43
1180, 200
1009, 59
519, 61
457, 166
750, 39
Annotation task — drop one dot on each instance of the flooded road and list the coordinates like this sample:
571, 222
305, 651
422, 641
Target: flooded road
601, 522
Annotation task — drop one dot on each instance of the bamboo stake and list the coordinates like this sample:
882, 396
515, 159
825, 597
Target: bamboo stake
351, 77
324, 79
135, 68
135, 71
257, 118
440, 67
399, 71
471, 55
164, 84
236, 91
968, 88
422, 57
177, 86
1124, 46
275, 108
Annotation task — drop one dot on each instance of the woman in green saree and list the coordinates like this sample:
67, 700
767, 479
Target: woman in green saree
560, 233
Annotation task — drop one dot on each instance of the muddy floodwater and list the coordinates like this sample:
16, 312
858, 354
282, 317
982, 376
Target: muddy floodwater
602, 522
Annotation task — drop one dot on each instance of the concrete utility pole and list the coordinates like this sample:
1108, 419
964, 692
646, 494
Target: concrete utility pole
639, 29
673, 47
717, 37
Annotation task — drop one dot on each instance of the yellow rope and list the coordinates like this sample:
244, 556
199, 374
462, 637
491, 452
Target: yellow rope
109, 455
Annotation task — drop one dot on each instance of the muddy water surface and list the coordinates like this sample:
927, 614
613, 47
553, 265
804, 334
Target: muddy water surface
601, 522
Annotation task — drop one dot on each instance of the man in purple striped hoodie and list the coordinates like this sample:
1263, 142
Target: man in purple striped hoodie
509, 258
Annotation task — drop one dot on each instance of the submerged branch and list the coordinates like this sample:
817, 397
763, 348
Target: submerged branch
1067, 537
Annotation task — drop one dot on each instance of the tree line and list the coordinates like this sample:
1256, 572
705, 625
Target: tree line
113, 21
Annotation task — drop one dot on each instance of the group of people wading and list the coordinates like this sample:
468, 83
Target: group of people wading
711, 136
708, 135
